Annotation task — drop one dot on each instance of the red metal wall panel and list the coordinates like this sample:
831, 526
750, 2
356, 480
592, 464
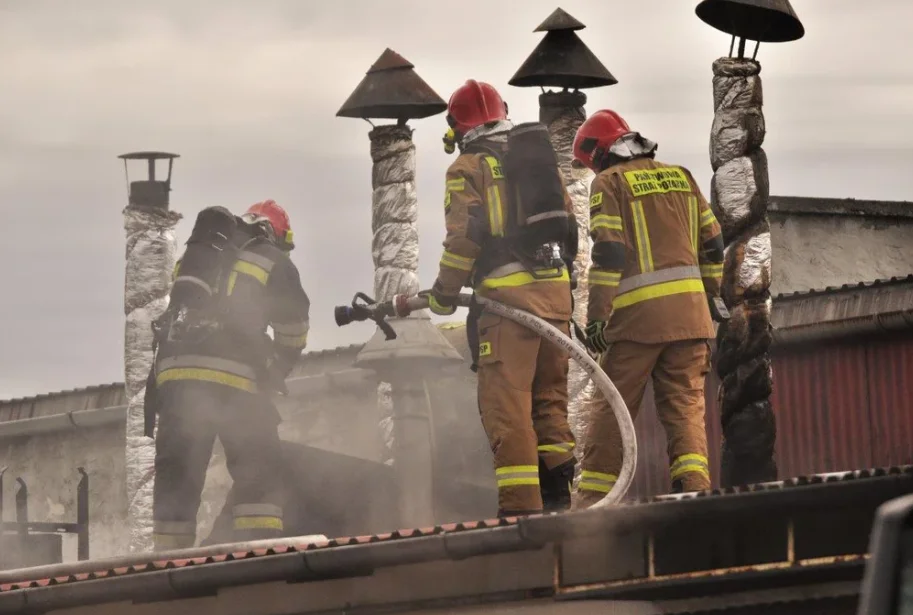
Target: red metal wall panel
839, 406
820, 401
890, 380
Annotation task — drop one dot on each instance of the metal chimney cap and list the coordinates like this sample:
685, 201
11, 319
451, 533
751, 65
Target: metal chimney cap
148, 156
560, 20
562, 60
391, 89
765, 21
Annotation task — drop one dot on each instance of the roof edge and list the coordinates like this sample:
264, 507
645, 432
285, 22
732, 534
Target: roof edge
819, 206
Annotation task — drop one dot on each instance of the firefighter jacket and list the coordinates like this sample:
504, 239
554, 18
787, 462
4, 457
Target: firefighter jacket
263, 290
657, 253
477, 209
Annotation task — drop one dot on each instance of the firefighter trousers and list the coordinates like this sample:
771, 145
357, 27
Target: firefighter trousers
523, 405
679, 370
191, 415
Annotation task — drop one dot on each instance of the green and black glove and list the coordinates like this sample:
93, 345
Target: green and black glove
595, 341
439, 303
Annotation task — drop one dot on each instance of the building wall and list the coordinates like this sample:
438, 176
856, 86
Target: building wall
828, 242
48, 464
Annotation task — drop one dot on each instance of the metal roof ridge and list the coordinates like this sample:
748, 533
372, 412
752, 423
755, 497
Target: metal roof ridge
850, 286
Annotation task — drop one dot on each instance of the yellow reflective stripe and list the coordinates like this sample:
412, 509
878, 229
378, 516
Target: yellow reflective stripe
656, 291
449, 259
495, 212
206, 375
604, 278
707, 218
511, 476
661, 180
522, 278
712, 270
495, 167
258, 523
693, 221
292, 341
177, 268
563, 447
596, 481
168, 542
232, 279
613, 223
255, 271
690, 463
642, 237
171, 528
456, 185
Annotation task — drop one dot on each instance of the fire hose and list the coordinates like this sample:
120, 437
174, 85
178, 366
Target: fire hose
364, 308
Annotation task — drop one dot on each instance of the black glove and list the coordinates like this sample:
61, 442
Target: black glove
595, 340
718, 310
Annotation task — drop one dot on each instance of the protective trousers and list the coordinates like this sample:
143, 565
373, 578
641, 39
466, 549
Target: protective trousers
679, 370
192, 414
523, 405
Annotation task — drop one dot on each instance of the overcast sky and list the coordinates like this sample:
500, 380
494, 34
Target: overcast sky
246, 92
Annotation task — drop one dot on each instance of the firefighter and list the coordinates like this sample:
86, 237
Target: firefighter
657, 263
216, 368
522, 380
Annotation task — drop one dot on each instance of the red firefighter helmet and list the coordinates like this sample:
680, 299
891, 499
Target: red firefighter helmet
278, 220
596, 135
474, 103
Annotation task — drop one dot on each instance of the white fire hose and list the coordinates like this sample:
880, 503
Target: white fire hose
401, 306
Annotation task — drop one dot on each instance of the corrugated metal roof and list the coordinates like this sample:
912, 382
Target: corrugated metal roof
847, 303
829, 290
339, 351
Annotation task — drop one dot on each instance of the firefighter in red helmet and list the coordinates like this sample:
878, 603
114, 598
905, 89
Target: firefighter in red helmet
657, 260
216, 368
522, 379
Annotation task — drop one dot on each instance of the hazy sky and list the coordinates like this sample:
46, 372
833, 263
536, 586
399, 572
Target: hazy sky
246, 92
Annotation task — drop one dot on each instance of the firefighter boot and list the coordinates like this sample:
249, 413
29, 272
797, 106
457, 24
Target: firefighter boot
555, 485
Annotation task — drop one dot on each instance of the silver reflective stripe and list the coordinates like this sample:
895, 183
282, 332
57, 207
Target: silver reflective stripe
298, 328
222, 365
256, 259
194, 280
174, 527
547, 215
656, 277
256, 510
505, 270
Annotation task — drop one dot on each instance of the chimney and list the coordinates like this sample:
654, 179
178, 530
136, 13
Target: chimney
151, 247
739, 194
562, 60
392, 90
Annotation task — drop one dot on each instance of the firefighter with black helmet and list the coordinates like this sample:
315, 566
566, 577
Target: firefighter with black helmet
216, 367
511, 236
654, 282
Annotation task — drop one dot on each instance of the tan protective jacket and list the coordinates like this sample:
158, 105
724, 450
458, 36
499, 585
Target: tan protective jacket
657, 253
477, 207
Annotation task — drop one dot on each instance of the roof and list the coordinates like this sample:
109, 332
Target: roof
846, 311
601, 555
339, 352
804, 205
